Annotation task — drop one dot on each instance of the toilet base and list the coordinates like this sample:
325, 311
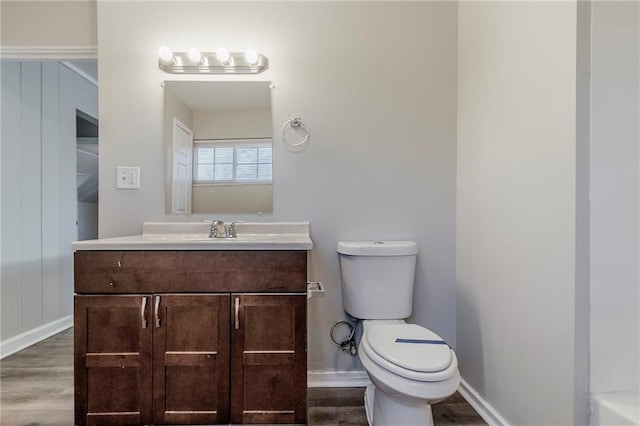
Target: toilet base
369, 394
384, 410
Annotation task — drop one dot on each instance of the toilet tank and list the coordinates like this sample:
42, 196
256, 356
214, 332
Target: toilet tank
377, 278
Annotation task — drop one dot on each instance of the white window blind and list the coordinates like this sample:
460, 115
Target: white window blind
232, 161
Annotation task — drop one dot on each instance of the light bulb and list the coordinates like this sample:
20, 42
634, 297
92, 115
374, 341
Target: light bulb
222, 54
165, 54
251, 56
195, 55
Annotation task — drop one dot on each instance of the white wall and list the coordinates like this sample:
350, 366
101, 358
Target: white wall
39, 102
381, 159
516, 207
615, 213
232, 198
232, 124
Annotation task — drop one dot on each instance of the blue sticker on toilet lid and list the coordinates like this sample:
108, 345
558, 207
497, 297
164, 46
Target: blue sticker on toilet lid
410, 346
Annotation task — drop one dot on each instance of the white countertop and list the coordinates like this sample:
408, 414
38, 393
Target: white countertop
195, 236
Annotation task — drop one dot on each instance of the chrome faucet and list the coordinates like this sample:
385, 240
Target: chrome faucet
218, 229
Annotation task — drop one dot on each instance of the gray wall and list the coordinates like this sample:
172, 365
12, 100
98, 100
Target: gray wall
583, 214
615, 212
381, 160
48, 23
516, 207
39, 102
87, 221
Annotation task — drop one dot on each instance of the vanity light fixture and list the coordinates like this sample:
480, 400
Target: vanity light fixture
219, 62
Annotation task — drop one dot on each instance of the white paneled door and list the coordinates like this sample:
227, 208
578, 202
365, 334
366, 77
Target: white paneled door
182, 163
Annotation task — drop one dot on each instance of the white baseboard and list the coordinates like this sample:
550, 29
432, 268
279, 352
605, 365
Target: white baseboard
33, 336
615, 408
486, 411
337, 379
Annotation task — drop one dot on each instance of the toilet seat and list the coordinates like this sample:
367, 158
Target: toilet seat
421, 358
410, 346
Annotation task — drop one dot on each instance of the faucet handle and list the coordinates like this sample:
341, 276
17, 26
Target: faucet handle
211, 230
232, 229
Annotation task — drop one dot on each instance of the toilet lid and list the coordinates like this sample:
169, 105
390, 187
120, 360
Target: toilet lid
410, 346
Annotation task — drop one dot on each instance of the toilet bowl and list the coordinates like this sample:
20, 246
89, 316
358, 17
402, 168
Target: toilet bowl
407, 376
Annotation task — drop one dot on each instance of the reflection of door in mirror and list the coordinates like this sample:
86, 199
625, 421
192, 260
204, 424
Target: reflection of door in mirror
227, 166
182, 155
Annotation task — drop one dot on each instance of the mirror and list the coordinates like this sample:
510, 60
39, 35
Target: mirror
218, 147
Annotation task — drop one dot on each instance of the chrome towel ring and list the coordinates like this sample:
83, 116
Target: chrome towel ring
295, 123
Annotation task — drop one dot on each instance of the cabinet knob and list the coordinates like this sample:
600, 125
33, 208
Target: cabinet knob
111, 283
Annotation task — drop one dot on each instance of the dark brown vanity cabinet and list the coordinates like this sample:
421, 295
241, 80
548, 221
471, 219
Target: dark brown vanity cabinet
225, 356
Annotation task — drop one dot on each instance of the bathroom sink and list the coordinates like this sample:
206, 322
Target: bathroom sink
195, 236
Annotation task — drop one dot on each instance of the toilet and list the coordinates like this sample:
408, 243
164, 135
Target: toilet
410, 366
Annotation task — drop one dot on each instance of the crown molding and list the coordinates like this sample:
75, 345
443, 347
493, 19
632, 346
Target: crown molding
48, 52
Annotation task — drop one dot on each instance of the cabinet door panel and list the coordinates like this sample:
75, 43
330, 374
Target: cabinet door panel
113, 360
269, 362
191, 359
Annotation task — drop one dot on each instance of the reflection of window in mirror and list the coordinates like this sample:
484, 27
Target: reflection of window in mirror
236, 162
230, 159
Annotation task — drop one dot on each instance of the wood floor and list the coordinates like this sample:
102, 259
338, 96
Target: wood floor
36, 384
344, 407
36, 389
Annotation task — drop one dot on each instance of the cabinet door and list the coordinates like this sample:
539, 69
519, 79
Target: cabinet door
112, 360
191, 359
269, 360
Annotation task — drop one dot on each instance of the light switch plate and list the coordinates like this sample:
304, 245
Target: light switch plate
128, 178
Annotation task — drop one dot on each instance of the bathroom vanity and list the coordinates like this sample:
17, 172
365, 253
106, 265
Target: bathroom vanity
184, 329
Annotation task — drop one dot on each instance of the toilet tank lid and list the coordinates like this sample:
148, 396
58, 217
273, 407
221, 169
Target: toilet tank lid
378, 248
